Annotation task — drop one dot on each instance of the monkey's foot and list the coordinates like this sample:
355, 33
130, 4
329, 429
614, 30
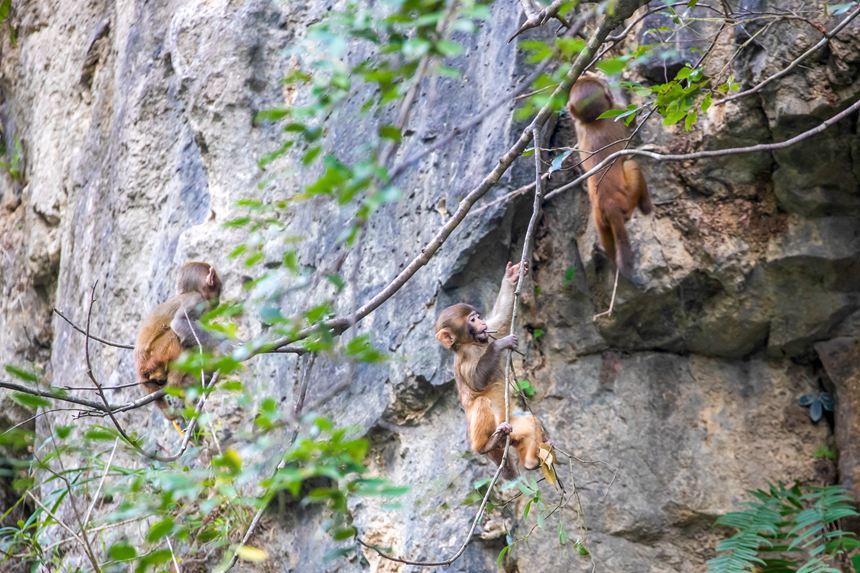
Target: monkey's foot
178, 428
503, 429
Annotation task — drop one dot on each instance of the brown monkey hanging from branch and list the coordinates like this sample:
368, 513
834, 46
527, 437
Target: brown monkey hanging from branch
481, 380
614, 191
174, 326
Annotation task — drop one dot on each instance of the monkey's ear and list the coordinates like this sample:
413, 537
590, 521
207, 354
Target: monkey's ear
445, 337
210, 278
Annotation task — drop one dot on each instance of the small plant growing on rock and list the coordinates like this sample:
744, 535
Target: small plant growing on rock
817, 404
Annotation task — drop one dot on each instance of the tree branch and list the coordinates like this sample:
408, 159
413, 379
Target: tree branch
338, 325
796, 62
96, 338
709, 152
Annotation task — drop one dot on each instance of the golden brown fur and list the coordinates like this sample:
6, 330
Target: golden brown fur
480, 378
173, 326
615, 191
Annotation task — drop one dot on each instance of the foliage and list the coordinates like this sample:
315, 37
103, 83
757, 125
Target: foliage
202, 508
526, 388
12, 160
817, 404
205, 500
536, 514
789, 530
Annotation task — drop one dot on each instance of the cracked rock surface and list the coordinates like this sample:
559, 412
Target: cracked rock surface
137, 121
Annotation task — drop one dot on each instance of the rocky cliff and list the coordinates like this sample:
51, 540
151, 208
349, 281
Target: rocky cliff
136, 124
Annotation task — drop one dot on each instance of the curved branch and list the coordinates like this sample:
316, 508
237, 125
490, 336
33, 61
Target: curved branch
339, 325
796, 62
709, 152
96, 338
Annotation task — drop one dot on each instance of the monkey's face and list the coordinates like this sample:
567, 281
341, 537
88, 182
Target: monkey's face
477, 328
460, 324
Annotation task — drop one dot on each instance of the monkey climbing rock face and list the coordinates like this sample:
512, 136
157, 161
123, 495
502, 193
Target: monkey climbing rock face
617, 189
481, 381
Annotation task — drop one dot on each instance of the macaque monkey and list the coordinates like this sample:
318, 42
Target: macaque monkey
614, 191
173, 326
481, 381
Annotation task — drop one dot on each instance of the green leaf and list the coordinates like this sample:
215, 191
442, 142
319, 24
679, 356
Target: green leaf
159, 530
344, 534
570, 46
558, 161
311, 154
360, 348
230, 460
30, 400
21, 374
390, 132
683, 73
5, 9
569, 273
613, 66
690, 120
271, 115
448, 48
122, 551
526, 388
154, 558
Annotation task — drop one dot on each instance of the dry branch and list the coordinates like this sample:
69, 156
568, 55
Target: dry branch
796, 62
338, 325
709, 152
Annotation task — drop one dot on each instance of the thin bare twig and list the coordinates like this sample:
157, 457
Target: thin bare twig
528, 245
62, 524
96, 338
87, 547
96, 383
297, 411
117, 387
537, 16
101, 483
173, 555
458, 131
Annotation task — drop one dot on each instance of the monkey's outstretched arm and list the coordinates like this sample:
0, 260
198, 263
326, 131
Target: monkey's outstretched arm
500, 319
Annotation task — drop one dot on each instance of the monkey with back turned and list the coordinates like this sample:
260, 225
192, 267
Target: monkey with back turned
481, 381
174, 326
614, 191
